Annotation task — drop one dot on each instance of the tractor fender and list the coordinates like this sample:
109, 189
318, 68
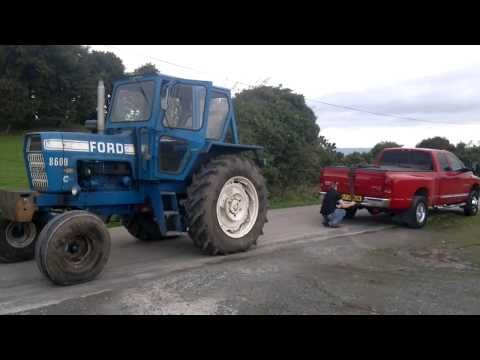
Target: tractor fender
214, 149
226, 148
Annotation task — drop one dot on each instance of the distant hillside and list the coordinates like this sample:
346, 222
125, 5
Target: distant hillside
347, 151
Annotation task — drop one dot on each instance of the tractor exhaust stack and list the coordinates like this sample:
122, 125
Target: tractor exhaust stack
101, 107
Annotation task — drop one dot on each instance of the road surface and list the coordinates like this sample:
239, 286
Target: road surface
132, 262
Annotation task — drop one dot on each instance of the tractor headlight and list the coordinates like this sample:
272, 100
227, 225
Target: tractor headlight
75, 190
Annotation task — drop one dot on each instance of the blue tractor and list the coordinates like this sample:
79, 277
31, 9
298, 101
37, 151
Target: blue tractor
167, 161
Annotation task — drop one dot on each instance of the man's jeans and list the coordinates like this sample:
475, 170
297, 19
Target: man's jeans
336, 217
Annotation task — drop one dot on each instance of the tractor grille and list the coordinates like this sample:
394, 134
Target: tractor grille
36, 165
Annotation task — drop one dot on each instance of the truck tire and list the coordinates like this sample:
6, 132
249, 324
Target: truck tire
73, 248
350, 212
471, 208
144, 228
17, 241
226, 205
417, 216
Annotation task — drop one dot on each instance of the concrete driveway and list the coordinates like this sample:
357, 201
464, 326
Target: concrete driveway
133, 262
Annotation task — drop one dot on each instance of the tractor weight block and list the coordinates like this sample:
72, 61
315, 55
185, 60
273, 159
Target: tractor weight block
17, 206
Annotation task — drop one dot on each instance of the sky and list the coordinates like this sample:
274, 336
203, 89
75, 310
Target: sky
433, 90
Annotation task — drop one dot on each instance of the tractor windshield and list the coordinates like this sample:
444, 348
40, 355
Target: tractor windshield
133, 102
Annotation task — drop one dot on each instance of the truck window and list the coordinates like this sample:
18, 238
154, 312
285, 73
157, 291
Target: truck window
420, 160
394, 158
442, 159
455, 162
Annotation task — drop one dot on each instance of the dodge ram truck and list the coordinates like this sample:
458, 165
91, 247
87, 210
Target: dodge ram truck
406, 182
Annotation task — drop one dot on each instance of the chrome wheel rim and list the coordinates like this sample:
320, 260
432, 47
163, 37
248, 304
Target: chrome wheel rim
20, 235
237, 207
421, 213
475, 203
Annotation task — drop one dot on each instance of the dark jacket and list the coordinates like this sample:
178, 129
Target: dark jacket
330, 202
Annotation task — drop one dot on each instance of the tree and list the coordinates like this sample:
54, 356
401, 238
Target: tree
357, 158
469, 154
60, 81
15, 106
382, 145
148, 68
436, 142
280, 120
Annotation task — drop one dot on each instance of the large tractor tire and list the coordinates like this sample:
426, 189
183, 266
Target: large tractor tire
73, 248
227, 205
417, 216
17, 241
471, 208
144, 228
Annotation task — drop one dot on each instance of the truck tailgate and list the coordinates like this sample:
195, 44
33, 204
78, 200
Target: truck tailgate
369, 182
366, 182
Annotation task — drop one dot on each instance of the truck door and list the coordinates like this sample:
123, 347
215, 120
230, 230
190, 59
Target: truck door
453, 184
180, 138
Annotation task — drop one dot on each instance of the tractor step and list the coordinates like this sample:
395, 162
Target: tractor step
167, 193
175, 233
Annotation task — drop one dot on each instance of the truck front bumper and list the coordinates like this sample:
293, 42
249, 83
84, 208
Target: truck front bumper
368, 201
17, 206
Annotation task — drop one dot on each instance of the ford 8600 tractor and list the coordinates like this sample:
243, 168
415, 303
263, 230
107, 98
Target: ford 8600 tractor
166, 160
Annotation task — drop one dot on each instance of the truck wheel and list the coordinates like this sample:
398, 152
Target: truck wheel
417, 216
472, 204
143, 227
226, 205
350, 213
73, 248
17, 241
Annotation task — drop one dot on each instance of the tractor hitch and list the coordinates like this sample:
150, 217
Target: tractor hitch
17, 206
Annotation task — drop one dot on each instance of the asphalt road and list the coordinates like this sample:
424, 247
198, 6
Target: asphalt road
133, 263
369, 266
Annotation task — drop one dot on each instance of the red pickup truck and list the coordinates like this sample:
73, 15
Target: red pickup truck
406, 182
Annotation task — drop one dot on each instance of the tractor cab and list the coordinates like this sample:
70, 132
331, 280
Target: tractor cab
174, 120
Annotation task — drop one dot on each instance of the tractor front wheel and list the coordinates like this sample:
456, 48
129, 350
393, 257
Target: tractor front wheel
17, 241
226, 205
73, 248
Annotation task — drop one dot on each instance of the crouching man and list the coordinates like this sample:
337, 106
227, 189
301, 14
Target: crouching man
333, 207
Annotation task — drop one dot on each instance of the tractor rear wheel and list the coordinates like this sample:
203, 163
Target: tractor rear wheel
17, 241
73, 248
227, 205
144, 228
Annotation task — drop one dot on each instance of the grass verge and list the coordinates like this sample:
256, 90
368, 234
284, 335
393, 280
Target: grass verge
457, 233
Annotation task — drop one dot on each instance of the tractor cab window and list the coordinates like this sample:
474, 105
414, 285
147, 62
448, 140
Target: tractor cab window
217, 115
133, 102
185, 106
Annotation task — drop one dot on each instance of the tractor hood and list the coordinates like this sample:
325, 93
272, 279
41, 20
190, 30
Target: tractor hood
52, 158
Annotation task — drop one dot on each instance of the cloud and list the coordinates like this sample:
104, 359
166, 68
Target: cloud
449, 98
